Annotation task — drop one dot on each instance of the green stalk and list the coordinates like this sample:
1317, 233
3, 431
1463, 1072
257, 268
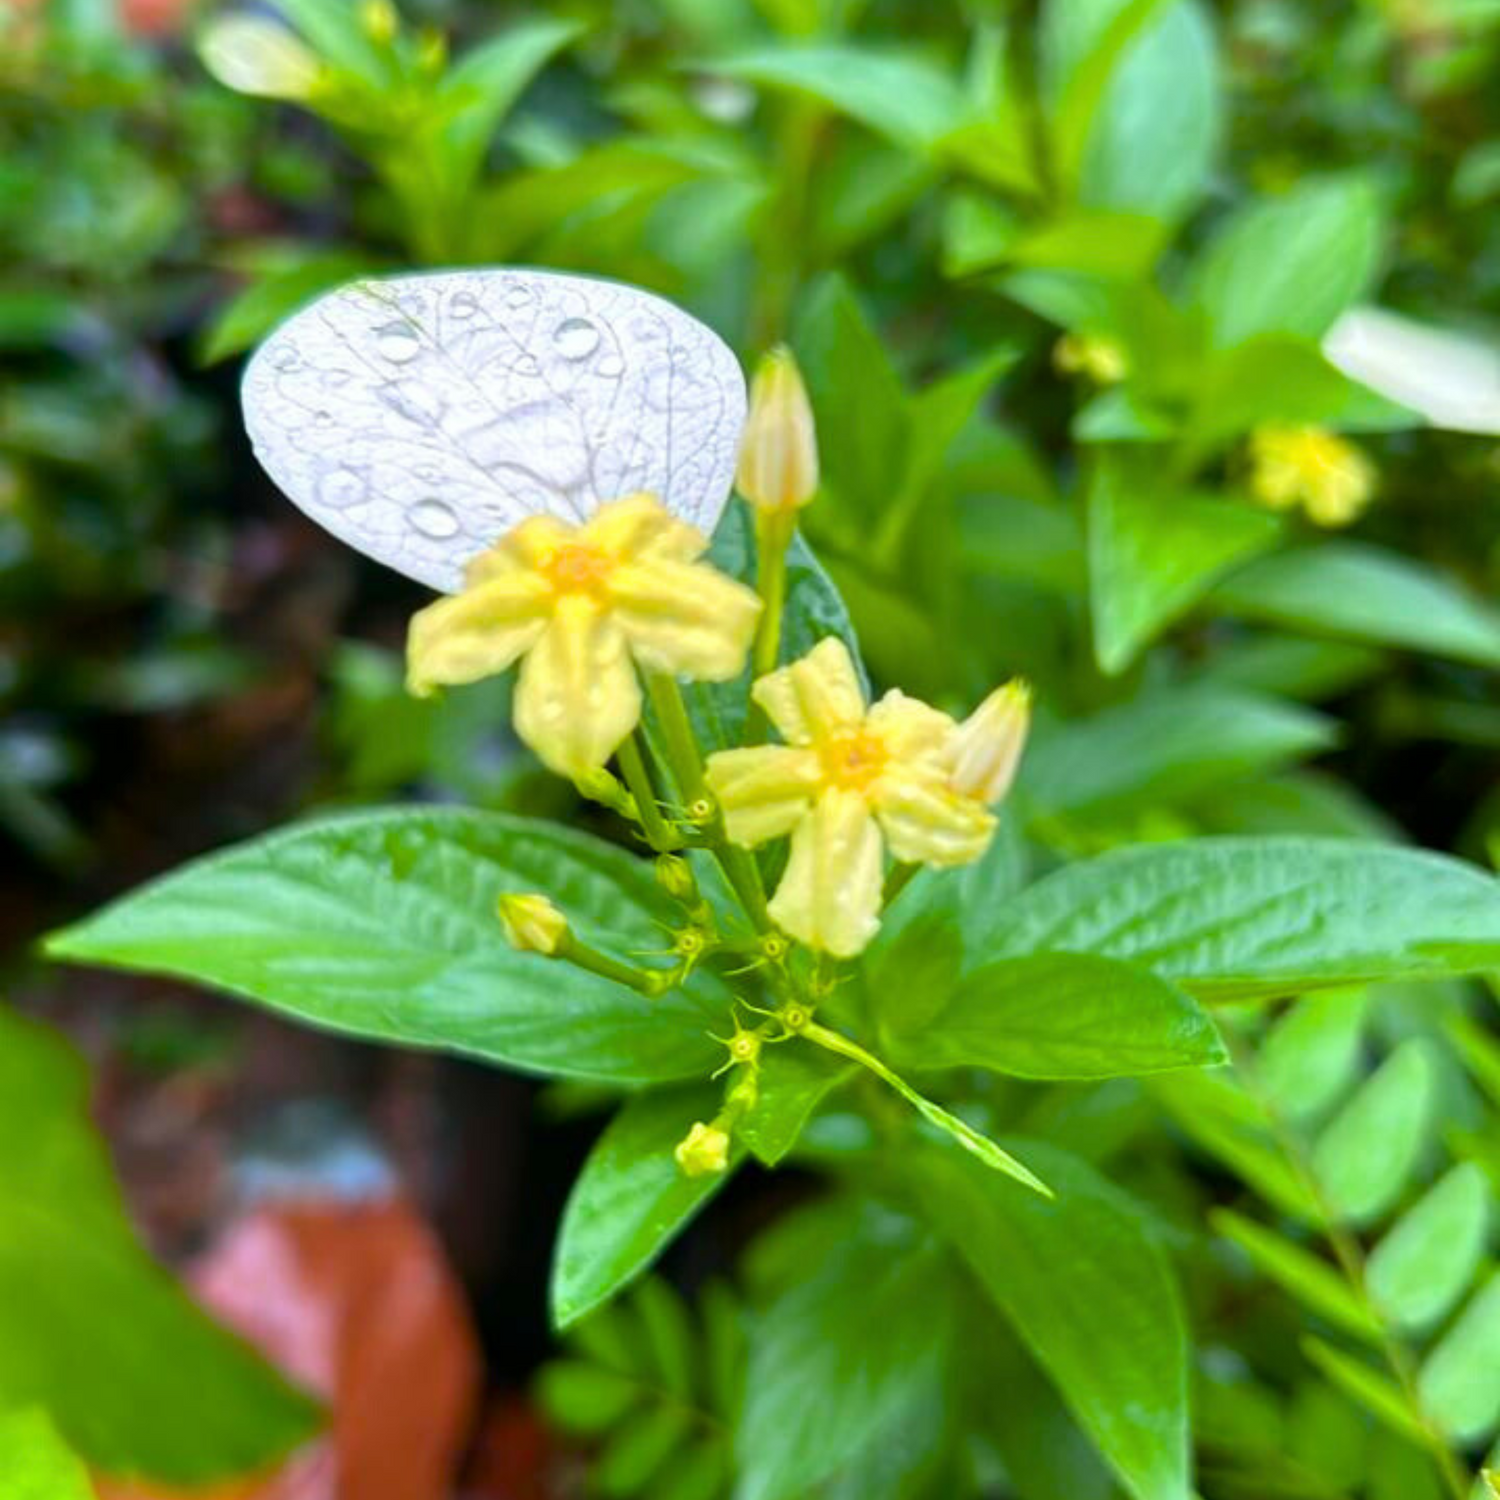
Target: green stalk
773, 535
658, 833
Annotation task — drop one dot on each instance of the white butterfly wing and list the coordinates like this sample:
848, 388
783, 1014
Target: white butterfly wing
420, 417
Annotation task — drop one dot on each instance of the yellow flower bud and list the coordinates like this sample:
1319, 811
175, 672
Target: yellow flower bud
987, 747
703, 1150
253, 55
532, 923
1098, 358
779, 454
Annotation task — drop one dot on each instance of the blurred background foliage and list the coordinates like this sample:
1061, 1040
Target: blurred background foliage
1061, 275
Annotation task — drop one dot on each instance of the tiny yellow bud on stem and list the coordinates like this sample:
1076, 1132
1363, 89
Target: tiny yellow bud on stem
532, 923
987, 749
778, 468
704, 1151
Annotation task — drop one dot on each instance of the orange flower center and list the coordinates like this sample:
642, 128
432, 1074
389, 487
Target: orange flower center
578, 568
853, 761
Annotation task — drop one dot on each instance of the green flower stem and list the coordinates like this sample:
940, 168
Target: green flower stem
774, 530
648, 982
658, 833
965, 1134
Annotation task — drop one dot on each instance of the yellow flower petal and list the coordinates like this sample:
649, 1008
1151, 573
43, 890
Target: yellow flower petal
684, 617
641, 526
477, 633
578, 696
763, 791
829, 897
525, 547
925, 822
816, 698
909, 729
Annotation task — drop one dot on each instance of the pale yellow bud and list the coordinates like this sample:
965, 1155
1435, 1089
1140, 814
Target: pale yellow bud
379, 21
779, 454
1099, 359
532, 923
987, 748
253, 55
703, 1150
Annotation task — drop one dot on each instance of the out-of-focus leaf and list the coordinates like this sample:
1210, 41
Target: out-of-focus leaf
383, 924
35, 1463
1364, 593
1428, 1258
1372, 1389
1092, 1297
630, 1200
167, 1395
1460, 1381
1364, 1157
1290, 264
1312, 1054
1154, 552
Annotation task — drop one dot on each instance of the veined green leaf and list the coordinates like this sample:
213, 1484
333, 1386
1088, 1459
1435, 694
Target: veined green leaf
1245, 918
1460, 1382
631, 1198
1363, 593
163, 1394
383, 924
1308, 1277
1154, 552
1056, 1015
35, 1463
1367, 1154
1091, 1295
1422, 1266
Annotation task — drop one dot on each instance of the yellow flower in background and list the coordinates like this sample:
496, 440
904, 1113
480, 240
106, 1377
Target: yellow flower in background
1099, 359
584, 606
1330, 478
850, 782
703, 1151
778, 467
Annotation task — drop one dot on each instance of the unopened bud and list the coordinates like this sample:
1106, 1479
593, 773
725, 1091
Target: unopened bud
379, 21
704, 1150
253, 55
779, 454
987, 749
675, 877
532, 923
1099, 359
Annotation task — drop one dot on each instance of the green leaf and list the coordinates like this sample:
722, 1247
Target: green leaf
1422, 1266
1153, 553
1460, 1382
585, 1398
1167, 746
137, 1379
1366, 1155
841, 1357
794, 1080
639, 1450
1379, 1395
1290, 264
333, 28
1313, 1053
1308, 1277
1090, 1293
383, 924
630, 1200
1364, 593
35, 1463
1246, 918
1056, 1015
896, 94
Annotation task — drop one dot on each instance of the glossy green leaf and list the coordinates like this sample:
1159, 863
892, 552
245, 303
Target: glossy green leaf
1155, 551
1366, 1155
1460, 1382
631, 1199
1363, 593
1312, 1053
383, 924
896, 94
1425, 1262
1165, 747
1240, 918
794, 1080
1090, 1293
1308, 1277
136, 1378
1056, 1015
1290, 264
35, 1463
855, 1343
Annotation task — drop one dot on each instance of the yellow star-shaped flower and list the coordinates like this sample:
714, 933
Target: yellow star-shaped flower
850, 782
1327, 475
585, 605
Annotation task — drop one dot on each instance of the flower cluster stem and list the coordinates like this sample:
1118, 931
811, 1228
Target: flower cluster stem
774, 530
658, 833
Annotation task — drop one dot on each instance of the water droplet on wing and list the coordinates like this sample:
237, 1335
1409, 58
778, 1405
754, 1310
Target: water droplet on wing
398, 342
576, 338
434, 518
